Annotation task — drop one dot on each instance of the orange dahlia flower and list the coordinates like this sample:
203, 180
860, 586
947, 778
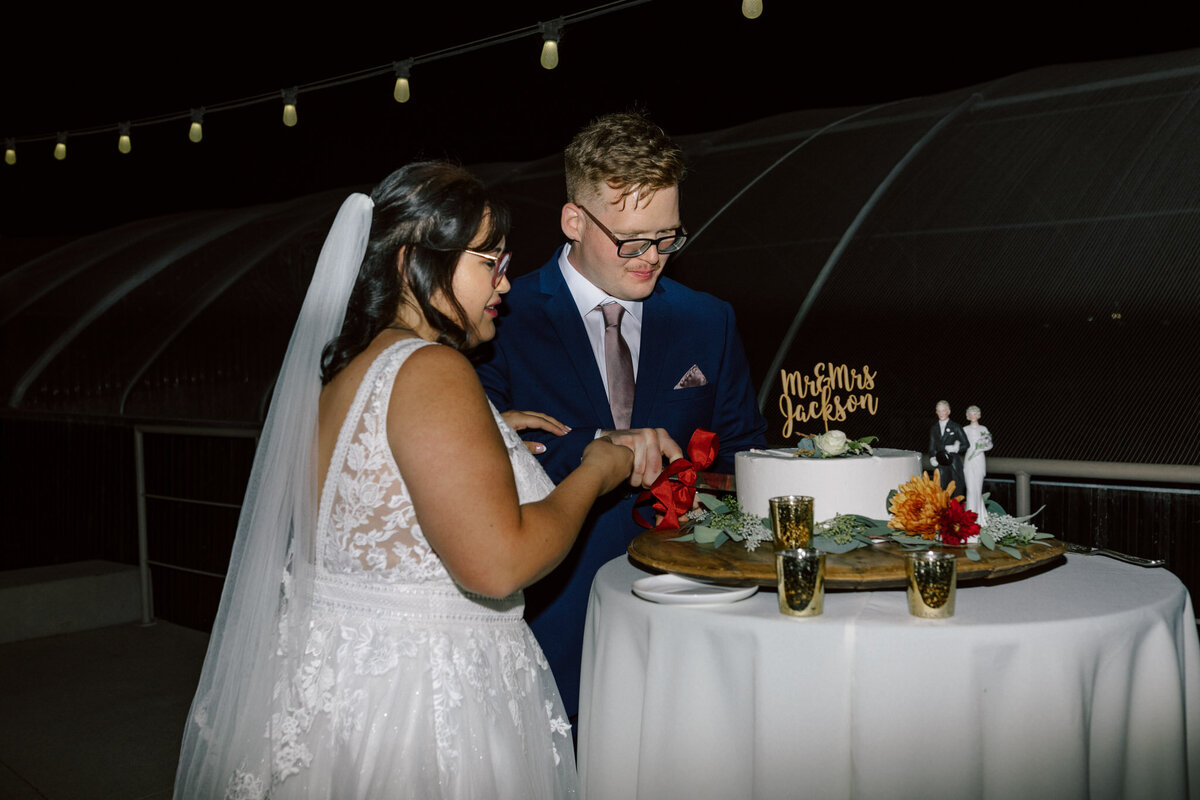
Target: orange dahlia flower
918, 504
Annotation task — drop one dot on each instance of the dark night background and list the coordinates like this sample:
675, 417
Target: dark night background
176, 348
694, 66
1073, 218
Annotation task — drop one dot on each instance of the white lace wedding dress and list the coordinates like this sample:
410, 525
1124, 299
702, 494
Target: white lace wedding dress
411, 687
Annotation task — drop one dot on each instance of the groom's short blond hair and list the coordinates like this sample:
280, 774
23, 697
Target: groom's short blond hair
626, 151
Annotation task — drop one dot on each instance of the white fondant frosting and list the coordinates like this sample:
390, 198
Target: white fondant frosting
846, 485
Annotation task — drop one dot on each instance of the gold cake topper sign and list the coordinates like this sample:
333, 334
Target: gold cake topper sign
810, 397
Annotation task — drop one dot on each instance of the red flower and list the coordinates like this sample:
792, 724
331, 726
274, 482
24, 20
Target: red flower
956, 524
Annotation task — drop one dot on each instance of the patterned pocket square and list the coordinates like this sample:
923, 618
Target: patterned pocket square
693, 377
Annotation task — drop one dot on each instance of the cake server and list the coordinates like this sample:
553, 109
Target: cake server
1087, 550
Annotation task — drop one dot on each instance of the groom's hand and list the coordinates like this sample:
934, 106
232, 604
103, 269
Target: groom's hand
649, 446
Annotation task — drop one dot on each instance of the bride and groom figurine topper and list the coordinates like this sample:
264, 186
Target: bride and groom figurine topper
958, 454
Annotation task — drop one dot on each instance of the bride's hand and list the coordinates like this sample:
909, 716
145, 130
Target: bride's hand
615, 462
525, 420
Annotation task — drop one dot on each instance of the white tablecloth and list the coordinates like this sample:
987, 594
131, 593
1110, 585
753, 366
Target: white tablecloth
1082, 681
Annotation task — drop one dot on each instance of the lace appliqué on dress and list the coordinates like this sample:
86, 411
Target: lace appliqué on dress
365, 537
338, 654
372, 525
245, 786
385, 613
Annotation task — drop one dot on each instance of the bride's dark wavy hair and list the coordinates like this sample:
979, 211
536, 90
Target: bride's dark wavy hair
433, 210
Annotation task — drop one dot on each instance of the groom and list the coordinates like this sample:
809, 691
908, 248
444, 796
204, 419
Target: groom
947, 446
600, 340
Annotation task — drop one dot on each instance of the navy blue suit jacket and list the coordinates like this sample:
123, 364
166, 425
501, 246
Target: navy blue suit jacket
541, 360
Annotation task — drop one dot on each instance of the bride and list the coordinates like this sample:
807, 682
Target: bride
979, 440
370, 640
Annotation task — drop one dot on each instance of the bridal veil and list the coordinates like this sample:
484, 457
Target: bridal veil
226, 742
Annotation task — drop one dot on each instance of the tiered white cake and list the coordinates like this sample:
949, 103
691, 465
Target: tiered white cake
845, 485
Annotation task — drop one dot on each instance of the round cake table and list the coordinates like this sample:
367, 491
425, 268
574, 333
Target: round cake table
1082, 681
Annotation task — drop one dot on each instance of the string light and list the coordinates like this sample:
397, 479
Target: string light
289, 107
196, 132
551, 36
123, 142
402, 69
751, 9
551, 33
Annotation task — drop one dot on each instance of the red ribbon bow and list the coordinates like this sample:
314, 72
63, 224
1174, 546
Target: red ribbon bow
674, 490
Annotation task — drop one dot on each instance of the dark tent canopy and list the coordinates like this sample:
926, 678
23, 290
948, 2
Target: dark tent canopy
1027, 245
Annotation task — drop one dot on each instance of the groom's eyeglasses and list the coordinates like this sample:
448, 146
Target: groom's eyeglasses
631, 248
499, 264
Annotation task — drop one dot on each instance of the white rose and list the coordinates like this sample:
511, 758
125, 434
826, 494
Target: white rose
832, 443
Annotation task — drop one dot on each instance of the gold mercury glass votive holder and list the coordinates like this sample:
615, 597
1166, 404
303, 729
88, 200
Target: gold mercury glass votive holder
932, 579
801, 576
791, 521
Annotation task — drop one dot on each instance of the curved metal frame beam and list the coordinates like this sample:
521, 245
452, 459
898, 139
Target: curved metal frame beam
835, 256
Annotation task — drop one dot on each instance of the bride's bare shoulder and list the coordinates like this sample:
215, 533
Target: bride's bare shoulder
433, 380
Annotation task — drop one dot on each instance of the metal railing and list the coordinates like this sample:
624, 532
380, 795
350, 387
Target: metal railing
1023, 469
144, 560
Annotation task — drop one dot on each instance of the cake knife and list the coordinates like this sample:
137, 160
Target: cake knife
1087, 550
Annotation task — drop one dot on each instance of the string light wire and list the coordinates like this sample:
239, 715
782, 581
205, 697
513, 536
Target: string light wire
535, 30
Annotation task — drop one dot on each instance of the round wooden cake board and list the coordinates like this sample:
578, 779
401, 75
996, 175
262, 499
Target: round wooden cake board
879, 566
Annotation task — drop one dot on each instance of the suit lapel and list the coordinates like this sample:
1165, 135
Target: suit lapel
564, 317
657, 315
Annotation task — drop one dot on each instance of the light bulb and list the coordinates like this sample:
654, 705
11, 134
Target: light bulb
751, 9
289, 107
196, 131
551, 36
60, 147
123, 142
549, 54
10, 155
403, 70
401, 92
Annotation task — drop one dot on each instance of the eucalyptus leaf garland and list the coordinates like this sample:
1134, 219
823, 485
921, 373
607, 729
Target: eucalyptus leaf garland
721, 519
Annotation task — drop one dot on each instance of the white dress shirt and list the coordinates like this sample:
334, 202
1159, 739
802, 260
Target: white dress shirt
587, 296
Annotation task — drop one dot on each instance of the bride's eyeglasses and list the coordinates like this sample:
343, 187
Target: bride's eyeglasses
499, 264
